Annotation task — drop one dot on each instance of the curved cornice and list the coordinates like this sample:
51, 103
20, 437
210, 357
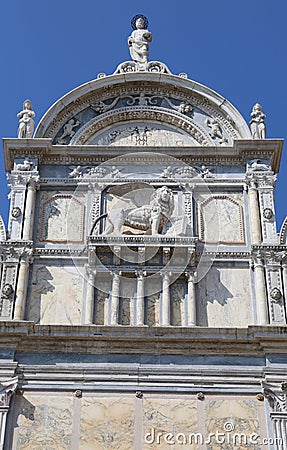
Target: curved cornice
211, 103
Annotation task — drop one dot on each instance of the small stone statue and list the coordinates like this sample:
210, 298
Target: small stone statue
257, 124
26, 122
139, 40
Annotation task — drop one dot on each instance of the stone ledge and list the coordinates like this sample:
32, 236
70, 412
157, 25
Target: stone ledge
92, 339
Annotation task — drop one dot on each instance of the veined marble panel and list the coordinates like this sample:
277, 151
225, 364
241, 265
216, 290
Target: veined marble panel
232, 416
56, 295
225, 298
107, 423
221, 220
62, 217
168, 415
44, 422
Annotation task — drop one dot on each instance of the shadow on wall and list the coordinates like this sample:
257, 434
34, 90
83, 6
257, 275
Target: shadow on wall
20, 410
211, 290
39, 286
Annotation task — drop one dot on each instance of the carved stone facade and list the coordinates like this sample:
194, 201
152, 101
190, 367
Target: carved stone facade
143, 282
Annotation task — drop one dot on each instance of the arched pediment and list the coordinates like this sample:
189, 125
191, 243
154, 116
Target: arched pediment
167, 102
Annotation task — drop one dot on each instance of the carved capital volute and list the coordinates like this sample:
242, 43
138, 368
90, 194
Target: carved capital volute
257, 257
34, 182
7, 389
276, 396
191, 276
140, 274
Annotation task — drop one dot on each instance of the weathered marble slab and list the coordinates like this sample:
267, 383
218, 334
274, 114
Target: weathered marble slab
56, 295
44, 422
107, 423
224, 298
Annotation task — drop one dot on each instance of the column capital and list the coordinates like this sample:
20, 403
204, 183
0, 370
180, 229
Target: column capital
33, 182
116, 273
191, 276
140, 274
276, 396
7, 389
166, 274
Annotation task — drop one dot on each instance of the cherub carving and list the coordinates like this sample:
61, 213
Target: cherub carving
215, 130
68, 131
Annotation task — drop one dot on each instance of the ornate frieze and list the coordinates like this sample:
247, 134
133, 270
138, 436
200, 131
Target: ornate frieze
98, 102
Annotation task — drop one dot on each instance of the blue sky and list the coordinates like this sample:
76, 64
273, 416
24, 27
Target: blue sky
236, 48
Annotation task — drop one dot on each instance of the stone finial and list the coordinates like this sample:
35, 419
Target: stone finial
257, 123
26, 122
138, 41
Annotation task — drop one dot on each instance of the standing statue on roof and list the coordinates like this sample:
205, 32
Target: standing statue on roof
139, 40
257, 123
26, 122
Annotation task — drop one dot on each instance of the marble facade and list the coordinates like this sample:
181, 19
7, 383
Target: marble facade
143, 281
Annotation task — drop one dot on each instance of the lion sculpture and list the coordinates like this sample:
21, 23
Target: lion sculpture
152, 217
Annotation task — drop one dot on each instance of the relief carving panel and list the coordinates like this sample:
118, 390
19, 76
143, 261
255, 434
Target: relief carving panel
62, 218
220, 220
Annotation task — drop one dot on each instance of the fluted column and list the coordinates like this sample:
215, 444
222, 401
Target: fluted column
22, 284
254, 214
7, 389
277, 398
191, 299
165, 303
260, 289
30, 208
138, 316
115, 297
90, 297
